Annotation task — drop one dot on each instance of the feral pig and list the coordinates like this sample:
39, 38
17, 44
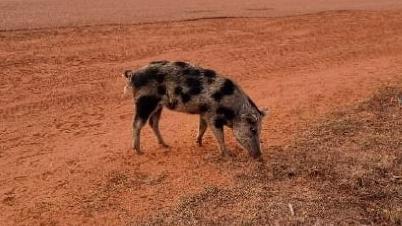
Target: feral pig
184, 87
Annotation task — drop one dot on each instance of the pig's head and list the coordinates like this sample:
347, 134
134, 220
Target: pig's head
247, 130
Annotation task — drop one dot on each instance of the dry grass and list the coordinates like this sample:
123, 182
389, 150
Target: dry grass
345, 169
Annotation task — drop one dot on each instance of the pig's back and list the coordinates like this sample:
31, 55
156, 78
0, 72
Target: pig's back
185, 87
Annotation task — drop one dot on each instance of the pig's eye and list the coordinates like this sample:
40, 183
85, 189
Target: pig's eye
253, 130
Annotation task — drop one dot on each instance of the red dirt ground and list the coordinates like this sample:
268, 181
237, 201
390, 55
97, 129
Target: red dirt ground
28, 14
65, 153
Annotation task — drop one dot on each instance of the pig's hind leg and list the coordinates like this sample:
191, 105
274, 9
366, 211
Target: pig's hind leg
154, 123
145, 106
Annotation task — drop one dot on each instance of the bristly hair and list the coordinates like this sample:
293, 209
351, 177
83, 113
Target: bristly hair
255, 106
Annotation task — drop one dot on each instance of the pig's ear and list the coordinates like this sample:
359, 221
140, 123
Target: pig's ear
264, 111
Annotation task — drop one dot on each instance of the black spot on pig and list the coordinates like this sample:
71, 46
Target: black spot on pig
144, 77
191, 72
180, 64
209, 73
227, 88
227, 113
217, 96
219, 122
139, 79
194, 85
153, 73
203, 108
145, 105
185, 98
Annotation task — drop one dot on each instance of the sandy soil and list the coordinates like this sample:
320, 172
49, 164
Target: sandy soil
65, 153
23, 14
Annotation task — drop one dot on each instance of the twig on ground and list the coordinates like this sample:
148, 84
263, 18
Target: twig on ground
292, 212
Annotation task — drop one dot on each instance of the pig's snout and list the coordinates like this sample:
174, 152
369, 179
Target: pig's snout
255, 151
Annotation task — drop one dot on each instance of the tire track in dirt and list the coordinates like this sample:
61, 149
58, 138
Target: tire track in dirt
272, 66
25, 14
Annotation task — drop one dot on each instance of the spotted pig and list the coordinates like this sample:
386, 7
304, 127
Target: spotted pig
184, 87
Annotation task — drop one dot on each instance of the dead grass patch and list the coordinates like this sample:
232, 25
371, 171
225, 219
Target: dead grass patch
343, 169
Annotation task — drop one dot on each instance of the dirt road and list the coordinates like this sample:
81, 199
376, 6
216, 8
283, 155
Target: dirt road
28, 14
65, 153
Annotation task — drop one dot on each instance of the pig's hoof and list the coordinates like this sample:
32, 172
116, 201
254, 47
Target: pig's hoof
260, 160
163, 145
138, 152
199, 142
228, 154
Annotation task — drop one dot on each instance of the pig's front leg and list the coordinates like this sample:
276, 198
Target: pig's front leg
137, 126
154, 123
217, 130
201, 130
